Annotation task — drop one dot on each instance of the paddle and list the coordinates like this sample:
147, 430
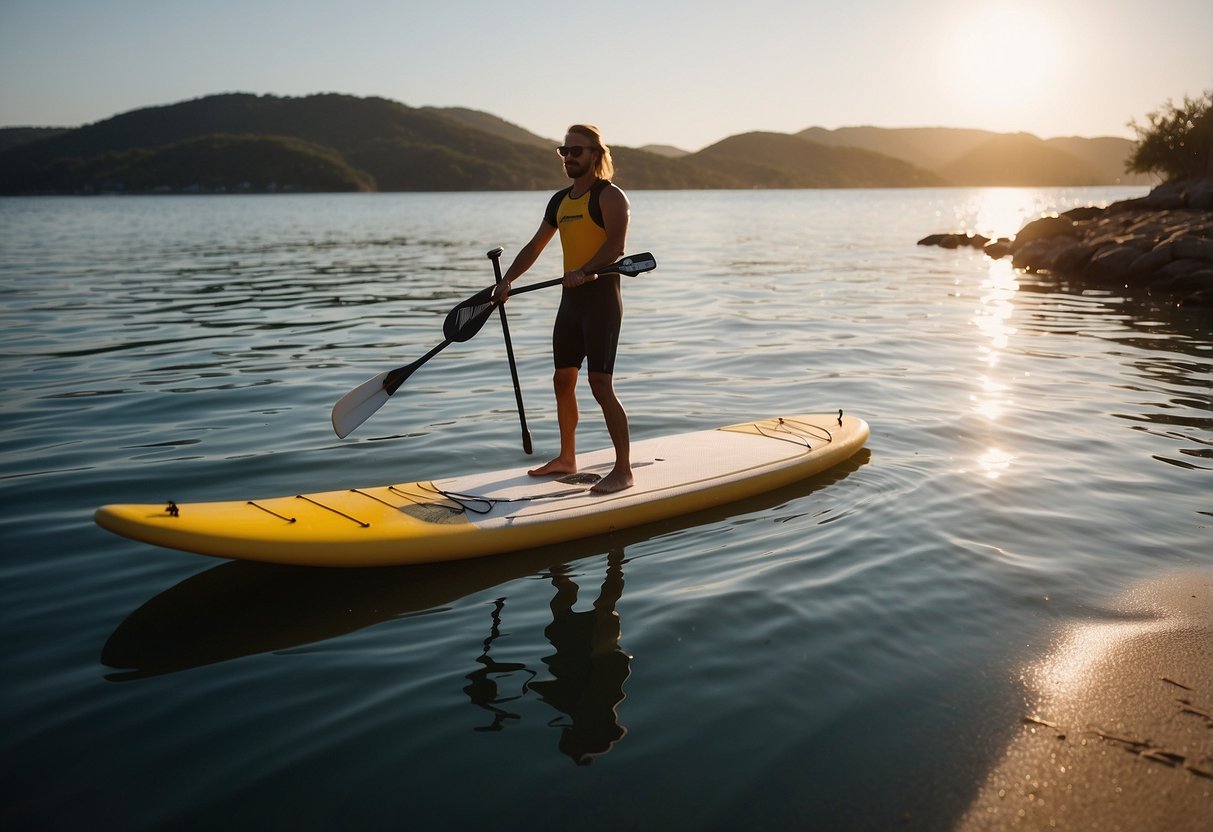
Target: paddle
495, 256
461, 324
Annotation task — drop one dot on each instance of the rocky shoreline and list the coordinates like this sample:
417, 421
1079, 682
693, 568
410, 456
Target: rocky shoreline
1160, 244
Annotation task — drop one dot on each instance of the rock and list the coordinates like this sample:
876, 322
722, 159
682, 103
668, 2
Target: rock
1201, 299
1201, 197
1073, 259
955, 240
999, 249
1183, 268
1193, 248
1183, 277
1153, 260
1042, 255
1084, 213
1043, 229
1111, 263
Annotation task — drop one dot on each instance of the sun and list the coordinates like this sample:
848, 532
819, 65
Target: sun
1002, 57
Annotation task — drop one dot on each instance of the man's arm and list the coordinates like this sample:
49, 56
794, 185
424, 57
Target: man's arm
524, 259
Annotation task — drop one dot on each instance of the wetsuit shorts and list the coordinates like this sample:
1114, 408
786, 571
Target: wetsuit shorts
587, 325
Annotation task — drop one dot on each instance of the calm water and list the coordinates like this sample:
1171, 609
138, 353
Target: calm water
845, 653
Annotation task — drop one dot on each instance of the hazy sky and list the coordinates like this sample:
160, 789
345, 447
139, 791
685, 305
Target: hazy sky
651, 72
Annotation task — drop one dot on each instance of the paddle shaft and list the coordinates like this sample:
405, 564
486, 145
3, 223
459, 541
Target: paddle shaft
527, 448
400, 375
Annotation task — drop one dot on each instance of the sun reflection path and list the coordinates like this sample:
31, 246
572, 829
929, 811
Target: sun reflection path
993, 322
1001, 212
994, 462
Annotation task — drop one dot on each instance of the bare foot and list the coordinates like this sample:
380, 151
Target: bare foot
556, 466
619, 479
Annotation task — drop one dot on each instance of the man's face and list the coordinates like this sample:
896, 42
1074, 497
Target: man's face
579, 159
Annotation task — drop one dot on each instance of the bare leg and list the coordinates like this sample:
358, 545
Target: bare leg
603, 387
565, 383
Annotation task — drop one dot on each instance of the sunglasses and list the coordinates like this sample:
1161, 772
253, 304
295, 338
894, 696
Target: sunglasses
573, 150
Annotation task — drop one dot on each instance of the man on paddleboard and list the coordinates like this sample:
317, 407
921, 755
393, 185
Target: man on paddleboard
592, 218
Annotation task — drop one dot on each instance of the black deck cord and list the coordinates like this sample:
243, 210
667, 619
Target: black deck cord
460, 506
465, 502
255, 504
801, 438
457, 497
336, 511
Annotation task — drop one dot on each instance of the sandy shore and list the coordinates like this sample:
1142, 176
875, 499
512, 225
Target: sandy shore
1117, 731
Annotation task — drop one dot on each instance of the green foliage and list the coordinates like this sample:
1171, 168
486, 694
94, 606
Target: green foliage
1177, 141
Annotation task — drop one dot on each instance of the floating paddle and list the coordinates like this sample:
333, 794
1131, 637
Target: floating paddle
461, 324
495, 256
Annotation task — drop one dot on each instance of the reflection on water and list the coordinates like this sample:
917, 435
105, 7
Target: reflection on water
992, 397
586, 673
483, 688
244, 608
588, 668
993, 319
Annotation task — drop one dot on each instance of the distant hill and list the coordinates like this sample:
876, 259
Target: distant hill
666, 150
492, 125
778, 160
13, 136
394, 147
232, 164
1017, 160
982, 157
1106, 156
927, 147
253, 143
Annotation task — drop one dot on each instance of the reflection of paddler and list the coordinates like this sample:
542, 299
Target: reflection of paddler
588, 667
482, 690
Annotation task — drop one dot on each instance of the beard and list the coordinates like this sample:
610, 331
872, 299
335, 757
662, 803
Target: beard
576, 167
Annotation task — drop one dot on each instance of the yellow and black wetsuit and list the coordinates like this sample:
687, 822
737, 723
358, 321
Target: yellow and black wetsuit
588, 322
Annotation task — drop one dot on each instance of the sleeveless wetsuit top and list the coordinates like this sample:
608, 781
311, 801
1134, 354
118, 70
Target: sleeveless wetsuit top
579, 222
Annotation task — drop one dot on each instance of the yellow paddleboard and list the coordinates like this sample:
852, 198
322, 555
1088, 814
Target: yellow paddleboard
500, 511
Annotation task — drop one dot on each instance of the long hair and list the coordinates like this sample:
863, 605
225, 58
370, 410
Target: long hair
604, 168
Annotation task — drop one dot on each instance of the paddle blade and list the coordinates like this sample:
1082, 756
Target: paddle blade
466, 319
356, 406
633, 264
